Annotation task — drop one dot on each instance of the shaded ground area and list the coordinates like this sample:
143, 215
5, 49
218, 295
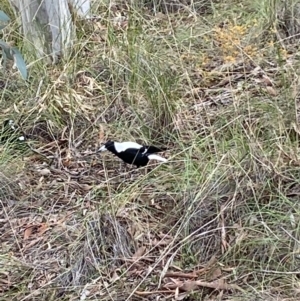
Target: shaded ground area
219, 221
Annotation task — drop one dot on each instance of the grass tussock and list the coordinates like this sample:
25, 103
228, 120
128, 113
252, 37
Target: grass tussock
217, 84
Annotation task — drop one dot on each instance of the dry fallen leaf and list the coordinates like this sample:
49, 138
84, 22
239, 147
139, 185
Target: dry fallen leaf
271, 91
44, 172
191, 285
215, 273
42, 229
35, 230
28, 232
139, 253
266, 80
219, 285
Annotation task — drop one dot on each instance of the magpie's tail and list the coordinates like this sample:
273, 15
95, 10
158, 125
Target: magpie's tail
153, 149
157, 157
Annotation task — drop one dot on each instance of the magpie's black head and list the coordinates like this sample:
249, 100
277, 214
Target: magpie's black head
109, 145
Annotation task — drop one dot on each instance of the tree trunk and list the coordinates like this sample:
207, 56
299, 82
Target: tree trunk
47, 24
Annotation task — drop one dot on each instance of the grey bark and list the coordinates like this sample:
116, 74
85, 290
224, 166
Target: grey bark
47, 24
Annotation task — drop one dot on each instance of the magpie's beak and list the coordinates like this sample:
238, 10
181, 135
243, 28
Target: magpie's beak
102, 149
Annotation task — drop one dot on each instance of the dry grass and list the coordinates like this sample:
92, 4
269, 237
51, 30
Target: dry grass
220, 221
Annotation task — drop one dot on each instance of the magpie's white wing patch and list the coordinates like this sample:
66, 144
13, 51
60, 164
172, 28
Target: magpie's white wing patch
122, 146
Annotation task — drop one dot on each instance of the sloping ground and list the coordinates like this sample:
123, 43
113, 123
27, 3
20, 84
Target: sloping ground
219, 221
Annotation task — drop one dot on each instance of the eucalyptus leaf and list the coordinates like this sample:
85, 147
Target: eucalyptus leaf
14, 54
7, 49
4, 17
4, 59
20, 63
11, 53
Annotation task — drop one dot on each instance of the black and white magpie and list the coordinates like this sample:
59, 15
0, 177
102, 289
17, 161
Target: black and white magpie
11, 132
133, 153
